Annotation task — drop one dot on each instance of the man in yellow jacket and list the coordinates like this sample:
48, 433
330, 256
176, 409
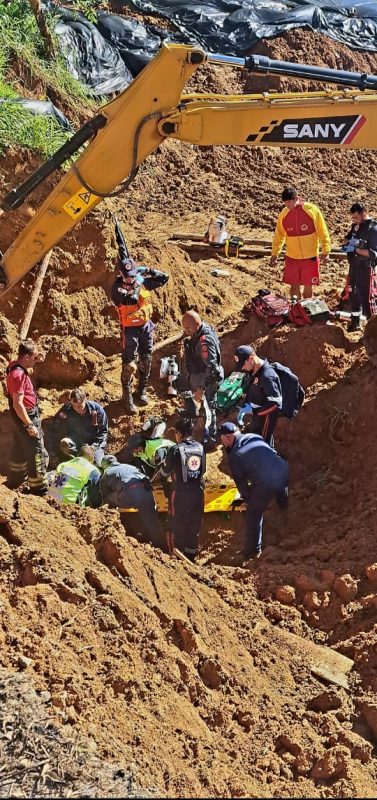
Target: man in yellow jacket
302, 228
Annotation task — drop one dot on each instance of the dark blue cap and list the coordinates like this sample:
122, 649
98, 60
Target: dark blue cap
227, 427
242, 354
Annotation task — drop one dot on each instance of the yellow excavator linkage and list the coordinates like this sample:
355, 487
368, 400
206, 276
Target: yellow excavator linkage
153, 108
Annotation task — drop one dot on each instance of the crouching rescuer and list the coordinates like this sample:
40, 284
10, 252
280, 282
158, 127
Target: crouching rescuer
125, 487
131, 294
261, 476
29, 457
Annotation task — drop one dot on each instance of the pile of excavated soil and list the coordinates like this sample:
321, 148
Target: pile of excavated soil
185, 671
169, 666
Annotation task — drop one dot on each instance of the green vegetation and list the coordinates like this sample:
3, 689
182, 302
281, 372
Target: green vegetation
21, 45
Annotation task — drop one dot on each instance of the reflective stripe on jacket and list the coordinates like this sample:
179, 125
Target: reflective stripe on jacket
70, 478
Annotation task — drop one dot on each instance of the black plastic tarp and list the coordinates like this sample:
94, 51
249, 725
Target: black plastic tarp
231, 27
234, 26
106, 56
39, 107
90, 58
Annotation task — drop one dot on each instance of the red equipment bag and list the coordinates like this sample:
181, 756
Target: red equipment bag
273, 308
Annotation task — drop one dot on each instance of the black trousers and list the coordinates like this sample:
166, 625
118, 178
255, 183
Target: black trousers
28, 458
264, 426
361, 284
145, 521
186, 507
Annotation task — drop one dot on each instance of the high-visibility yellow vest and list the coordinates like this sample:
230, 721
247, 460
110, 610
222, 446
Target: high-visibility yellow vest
70, 479
150, 449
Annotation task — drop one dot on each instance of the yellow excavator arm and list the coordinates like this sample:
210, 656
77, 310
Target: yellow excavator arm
153, 108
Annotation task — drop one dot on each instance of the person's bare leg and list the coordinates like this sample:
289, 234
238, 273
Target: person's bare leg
308, 292
296, 291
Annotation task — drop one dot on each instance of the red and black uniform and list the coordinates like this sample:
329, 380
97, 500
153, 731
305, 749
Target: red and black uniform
203, 366
264, 390
186, 463
29, 457
361, 282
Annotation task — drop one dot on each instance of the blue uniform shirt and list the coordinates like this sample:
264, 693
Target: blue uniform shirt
88, 428
252, 460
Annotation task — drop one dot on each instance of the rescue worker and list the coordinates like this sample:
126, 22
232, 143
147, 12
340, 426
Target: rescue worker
186, 463
28, 458
260, 476
301, 226
360, 244
124, 486
263, 389
76, 480
84, 422
148, 448
202, 361
131, 295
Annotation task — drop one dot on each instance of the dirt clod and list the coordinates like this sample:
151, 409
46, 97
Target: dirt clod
332, 766
285, 594
371, 572
346, 587
326, 701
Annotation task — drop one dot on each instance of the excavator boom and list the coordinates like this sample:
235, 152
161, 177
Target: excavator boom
153, 108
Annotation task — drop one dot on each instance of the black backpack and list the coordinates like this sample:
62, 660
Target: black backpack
292, 392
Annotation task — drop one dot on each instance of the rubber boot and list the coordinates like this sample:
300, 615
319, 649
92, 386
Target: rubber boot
126, 378
354, 325
145, 365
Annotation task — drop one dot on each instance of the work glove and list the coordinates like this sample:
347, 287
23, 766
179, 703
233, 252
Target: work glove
351, 245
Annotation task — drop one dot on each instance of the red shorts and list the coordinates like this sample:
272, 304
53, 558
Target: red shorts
301, 271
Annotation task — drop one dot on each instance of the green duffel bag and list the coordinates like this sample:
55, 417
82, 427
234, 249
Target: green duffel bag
230, 391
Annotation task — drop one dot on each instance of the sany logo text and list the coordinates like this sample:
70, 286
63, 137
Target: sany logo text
316, 131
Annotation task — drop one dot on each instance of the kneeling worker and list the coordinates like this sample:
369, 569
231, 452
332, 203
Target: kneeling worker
76, 480
260, 476
186, 463
125, 486
147, 449
84, 421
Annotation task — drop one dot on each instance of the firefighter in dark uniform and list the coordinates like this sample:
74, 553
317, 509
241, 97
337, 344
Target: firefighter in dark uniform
263, 389
29, 457
202, 361
131, 295
84, 422
261, 476
360, 244
186, 464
